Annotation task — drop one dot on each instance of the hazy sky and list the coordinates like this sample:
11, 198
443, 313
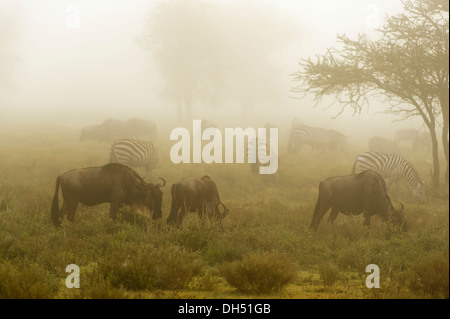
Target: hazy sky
100, 68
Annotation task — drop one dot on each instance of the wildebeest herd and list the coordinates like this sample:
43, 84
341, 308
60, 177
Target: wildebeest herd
362, 192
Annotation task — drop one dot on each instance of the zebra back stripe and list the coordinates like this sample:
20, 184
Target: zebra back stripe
387, 165
133, 152
316, 137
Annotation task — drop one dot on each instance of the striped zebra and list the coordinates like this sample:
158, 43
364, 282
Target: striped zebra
391, 166
316, 137
134, 153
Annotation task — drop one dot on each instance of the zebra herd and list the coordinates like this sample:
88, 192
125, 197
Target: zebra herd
392, 166
317, 138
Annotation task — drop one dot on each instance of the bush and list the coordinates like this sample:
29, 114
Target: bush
259, 273
25, 281
329, 273
430, 275
168, 267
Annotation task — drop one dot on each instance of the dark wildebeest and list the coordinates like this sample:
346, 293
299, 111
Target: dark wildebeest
110, 130
192, 194
355, 194
382, 145
113, 183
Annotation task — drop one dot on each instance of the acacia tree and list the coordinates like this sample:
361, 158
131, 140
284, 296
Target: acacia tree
408, 65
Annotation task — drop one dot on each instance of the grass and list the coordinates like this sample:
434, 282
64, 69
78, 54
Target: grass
265, 237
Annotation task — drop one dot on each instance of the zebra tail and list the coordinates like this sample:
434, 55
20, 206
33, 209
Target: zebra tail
55, 205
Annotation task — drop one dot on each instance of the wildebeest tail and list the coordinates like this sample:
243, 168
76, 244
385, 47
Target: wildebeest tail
55, 205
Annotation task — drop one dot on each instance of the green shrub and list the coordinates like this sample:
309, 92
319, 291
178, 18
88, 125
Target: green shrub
329, 273
430, 275
168, 267
25, 281
259, 273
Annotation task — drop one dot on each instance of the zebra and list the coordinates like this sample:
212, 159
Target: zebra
318, 138
134, 153
392, 166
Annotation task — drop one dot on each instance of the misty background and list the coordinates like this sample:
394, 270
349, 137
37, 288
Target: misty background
117, 63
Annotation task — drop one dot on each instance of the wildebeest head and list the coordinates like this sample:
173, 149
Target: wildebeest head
153, 198
397, 218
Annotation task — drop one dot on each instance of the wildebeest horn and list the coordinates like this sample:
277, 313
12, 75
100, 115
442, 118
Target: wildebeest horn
164, 181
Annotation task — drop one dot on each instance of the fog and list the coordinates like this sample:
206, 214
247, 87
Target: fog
108, 66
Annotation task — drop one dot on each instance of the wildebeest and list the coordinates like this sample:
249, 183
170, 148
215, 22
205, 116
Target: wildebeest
192, 194
112, 183
356, 194
110, 130
383, 145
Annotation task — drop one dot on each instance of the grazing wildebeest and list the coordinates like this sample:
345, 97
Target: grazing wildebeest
192, 194
110, 130
356, 194
112, 183
383, 145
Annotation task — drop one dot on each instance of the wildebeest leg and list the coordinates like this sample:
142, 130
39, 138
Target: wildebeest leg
319, 211
181, 214
63, 210
333, 215
113, 208
71, 209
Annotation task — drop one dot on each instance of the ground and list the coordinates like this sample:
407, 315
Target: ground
268, 221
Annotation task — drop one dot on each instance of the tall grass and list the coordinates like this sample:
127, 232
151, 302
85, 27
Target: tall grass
135, 257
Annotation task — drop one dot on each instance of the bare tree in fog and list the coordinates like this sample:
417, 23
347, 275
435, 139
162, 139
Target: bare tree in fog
187, 50
408, 64
211, 53
256, 34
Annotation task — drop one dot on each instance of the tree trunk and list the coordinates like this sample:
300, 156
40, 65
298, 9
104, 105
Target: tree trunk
435, 152
444, 106
445, 146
